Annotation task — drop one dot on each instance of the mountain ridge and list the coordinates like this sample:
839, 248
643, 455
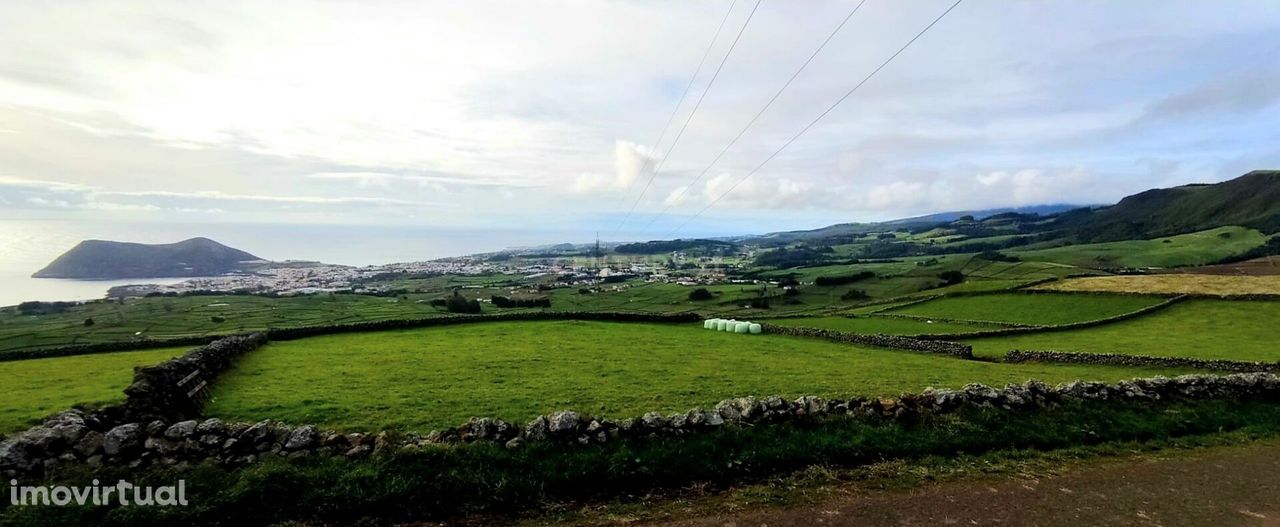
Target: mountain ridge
109, 260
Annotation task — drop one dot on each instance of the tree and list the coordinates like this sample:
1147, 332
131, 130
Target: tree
950, 278
700, 293
458, 304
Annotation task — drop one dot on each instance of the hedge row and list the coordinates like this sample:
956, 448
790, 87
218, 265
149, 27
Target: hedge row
1120, 359
308, 331
884, 341
1055, 327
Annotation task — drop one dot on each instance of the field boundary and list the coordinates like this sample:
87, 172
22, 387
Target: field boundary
941, 347
1058, 327
1007, 325
330, 329
1121, 359
75, 437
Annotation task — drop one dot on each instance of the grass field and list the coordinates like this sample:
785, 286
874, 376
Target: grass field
1026, 308
1205, 329
35, 388
1197, 248
884, 325
438, 377
1200, 284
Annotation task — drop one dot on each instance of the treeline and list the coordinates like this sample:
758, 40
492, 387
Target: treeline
502, 301
666, 246
843, 279
43, 308
1270, 248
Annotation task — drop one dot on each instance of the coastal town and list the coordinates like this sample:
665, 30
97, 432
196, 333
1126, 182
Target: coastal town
292, 278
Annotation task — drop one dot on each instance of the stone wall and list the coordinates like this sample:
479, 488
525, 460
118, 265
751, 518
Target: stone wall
97, 438
1120, 359
885, 341
310, 331
1056, 327
176, 388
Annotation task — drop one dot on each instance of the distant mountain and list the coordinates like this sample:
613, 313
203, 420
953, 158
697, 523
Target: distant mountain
1251, 200
107, 260
942, 217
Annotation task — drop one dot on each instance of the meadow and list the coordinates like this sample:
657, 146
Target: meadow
431, 378
1028, 308
1174, 283
882, 325
1203, 329
36, 388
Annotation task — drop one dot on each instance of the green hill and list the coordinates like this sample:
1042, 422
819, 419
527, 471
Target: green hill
107, 260
1251, 200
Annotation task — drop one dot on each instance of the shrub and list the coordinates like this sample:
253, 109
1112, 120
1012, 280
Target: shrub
843, 279
458, 304
700, 293
88, 322
217, 319
854, 294
502, 301
951, 277
997, 256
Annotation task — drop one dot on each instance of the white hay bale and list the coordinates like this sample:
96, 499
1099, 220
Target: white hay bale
742, 327
756, 329
721, 324
707, 324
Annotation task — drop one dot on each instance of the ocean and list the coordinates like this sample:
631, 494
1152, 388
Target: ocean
26, 246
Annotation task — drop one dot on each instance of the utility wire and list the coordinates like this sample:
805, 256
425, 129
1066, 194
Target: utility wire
818, 118
753, 120
696, 105
687, 87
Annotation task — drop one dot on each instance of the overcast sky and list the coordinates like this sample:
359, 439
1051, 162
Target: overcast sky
543, 114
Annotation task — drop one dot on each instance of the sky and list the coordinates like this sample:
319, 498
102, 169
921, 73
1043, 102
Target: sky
544, 114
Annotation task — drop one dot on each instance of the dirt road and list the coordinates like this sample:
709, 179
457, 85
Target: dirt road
1219, 487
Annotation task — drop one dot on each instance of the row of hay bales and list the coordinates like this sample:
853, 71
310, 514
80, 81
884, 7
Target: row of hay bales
732, 326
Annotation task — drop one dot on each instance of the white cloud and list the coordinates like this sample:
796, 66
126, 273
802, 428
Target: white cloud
631, 162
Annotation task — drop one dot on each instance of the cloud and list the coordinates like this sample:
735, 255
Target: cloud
631, 161
42, 194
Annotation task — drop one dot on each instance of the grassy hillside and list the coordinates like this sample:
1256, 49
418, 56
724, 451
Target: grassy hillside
431, 378
1186, 249
1251, 200
100, 259
36, 388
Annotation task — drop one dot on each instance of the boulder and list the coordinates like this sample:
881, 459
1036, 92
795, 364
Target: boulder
563, 422
302, 437
122, 439
181, 430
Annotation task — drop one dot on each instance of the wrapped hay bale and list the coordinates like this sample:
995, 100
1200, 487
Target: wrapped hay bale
721, 324
742, 327
756, 329
708, 323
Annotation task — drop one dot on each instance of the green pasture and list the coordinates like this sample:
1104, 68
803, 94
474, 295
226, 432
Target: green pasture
1197, 248
35, 388
431, 378
882, 325
1203, 329
1028, 308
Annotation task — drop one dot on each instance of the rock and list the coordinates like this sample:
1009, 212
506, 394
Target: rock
155, 428
563, 422
122, 439
302, 437
90, 444
181, 430
161, 445
514, 443
211, 426
653, 421
259, 432
14, 456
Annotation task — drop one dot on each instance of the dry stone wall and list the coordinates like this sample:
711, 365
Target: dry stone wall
98, 438
885, 341
1121, 359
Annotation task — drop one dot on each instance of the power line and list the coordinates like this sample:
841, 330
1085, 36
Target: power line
696, 105
753, 120
687, 87
818, 118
